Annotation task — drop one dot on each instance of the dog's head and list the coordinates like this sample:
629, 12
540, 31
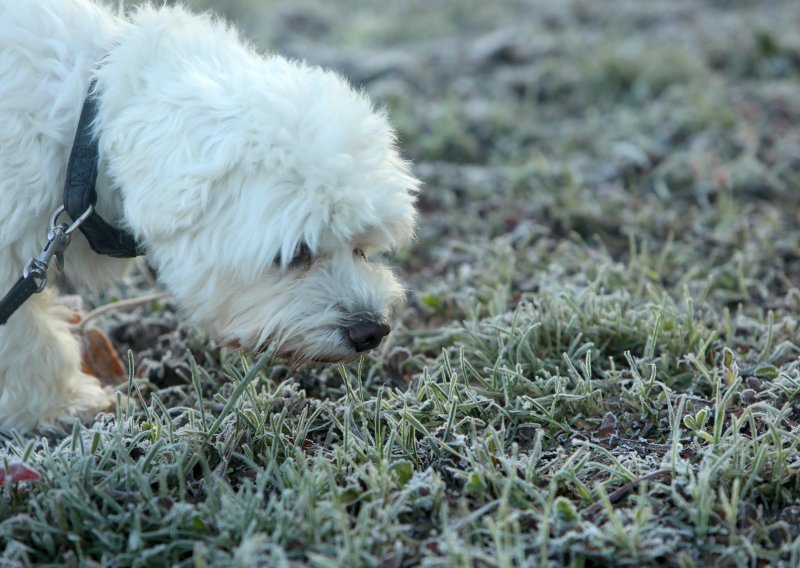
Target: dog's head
264, 190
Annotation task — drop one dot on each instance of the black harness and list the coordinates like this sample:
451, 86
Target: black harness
80, 197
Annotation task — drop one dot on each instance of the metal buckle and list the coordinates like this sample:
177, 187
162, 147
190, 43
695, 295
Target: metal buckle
75, 224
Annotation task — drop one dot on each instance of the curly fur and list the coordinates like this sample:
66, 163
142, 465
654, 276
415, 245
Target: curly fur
219, 160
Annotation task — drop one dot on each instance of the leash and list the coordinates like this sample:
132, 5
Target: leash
80, 198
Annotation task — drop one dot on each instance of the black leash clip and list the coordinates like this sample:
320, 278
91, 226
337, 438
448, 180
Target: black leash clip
58, 240
36, 268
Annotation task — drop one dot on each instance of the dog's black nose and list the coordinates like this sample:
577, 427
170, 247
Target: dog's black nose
366, 335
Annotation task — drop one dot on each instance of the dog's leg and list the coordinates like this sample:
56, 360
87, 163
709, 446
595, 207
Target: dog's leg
41, 383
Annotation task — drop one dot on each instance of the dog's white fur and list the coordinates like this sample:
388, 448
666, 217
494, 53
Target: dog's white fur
219, 160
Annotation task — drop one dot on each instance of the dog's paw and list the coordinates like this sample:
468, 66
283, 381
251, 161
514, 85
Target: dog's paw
87, 398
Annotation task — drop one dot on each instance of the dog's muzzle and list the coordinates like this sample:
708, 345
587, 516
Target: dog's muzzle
366, 335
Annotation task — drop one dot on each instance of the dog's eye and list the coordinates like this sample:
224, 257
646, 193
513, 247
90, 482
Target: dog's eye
360, 253
302, 257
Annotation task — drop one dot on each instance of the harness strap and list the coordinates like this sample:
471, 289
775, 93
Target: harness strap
80, 191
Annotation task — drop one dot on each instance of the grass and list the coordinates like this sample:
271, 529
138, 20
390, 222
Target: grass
598, 362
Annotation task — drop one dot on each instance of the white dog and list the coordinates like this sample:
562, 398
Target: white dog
258, 188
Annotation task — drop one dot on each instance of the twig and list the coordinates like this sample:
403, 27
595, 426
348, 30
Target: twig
121, 305
620, 492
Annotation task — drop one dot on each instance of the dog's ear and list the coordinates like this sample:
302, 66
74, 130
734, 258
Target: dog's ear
168, 160
174, 189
